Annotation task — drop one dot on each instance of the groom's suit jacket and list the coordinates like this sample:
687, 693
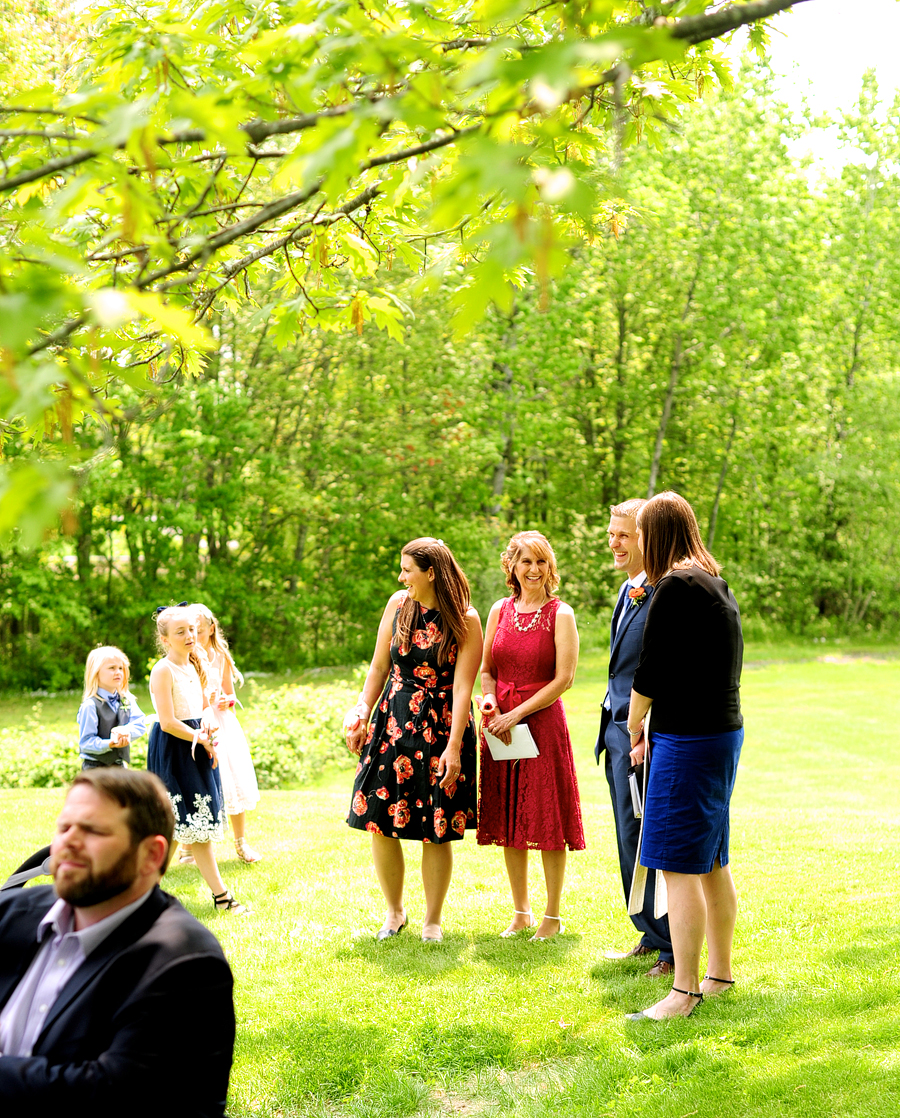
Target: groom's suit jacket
625, 651
106, 1046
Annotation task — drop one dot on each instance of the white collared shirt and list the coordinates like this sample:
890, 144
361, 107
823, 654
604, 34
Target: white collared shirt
61, 953
638, 580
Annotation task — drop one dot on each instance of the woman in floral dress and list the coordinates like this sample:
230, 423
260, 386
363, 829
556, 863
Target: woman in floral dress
416, 775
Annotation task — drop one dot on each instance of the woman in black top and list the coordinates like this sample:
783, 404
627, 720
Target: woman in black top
690, 670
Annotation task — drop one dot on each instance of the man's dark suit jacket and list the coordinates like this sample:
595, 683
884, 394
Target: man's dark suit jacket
625, 651
110, 1039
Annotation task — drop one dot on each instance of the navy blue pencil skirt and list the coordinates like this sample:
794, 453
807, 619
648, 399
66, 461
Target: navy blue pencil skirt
691, 779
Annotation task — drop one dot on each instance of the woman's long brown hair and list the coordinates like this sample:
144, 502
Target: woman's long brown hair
671, 537
451, 588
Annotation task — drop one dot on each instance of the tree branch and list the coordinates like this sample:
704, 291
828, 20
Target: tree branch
46, 169
692, 29
14, 109
234, 232
697, 29
421, 149
259, 130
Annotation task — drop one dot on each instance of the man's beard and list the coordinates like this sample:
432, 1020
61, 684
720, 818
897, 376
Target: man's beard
97, 888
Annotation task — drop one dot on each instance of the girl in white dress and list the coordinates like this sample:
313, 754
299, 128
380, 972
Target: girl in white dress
239, 786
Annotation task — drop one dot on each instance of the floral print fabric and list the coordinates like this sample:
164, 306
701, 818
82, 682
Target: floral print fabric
194, 786
395, 792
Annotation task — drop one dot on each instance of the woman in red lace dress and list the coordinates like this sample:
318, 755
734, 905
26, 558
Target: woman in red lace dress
530, 655
416, 774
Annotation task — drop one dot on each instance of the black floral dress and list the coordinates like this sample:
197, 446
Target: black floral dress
396, 792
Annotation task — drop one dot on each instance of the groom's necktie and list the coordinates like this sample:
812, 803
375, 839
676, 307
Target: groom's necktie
618, 614
621, 616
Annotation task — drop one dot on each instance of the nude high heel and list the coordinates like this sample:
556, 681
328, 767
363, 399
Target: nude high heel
510, 932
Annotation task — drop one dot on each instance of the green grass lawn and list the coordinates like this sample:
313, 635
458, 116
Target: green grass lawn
331, 1023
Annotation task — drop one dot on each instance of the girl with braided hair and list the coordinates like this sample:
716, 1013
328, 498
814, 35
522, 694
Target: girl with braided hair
182, 748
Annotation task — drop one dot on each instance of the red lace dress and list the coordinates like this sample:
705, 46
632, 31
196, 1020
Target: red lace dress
533, 803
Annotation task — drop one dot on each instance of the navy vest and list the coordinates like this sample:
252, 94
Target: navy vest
107, 718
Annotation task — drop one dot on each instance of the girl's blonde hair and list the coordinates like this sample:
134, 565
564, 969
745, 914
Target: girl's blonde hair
97, 657
218, 643
164, 619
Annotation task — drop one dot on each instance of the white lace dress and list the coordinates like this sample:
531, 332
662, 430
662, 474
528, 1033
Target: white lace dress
235, 763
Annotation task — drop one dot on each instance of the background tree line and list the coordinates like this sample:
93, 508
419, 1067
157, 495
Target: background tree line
731, 335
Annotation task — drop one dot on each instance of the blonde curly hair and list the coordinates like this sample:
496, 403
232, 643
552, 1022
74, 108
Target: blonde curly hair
540, 547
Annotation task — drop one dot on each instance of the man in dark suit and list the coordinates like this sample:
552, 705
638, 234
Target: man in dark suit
101, 972
626, 634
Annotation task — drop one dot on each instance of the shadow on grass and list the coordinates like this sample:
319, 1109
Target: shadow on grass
362, 1068
513, 956
406, 957
873, 948
799, 1052
316, 1056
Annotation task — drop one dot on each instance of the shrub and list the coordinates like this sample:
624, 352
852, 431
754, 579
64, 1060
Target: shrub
33, 756
295, 731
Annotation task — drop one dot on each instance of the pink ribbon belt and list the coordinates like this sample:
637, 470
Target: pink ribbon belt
517, 694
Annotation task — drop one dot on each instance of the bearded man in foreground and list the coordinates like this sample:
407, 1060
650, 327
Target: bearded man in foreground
102, 972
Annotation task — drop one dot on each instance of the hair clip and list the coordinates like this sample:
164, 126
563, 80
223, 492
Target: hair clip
162, 609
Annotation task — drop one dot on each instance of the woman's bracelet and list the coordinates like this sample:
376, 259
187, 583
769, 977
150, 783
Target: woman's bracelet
636, 733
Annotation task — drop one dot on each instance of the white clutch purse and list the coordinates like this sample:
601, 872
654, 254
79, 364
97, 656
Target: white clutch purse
522, 746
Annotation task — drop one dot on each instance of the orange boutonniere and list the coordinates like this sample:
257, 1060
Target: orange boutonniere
638, 596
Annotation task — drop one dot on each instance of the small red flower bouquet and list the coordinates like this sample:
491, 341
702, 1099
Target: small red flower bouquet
638, 596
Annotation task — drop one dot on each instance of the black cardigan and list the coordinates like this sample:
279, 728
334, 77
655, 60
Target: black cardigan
690, 663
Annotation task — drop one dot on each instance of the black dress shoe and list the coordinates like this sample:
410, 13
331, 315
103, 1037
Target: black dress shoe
386, 933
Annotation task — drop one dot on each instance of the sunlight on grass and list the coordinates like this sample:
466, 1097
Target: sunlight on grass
333, 1024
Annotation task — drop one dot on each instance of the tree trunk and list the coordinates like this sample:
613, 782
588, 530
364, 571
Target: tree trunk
674, 373
714, 514
299, 548
507, 425
674, 370
83, 545
613, 493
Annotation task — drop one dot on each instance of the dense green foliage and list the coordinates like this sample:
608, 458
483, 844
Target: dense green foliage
734, 338
161, 159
